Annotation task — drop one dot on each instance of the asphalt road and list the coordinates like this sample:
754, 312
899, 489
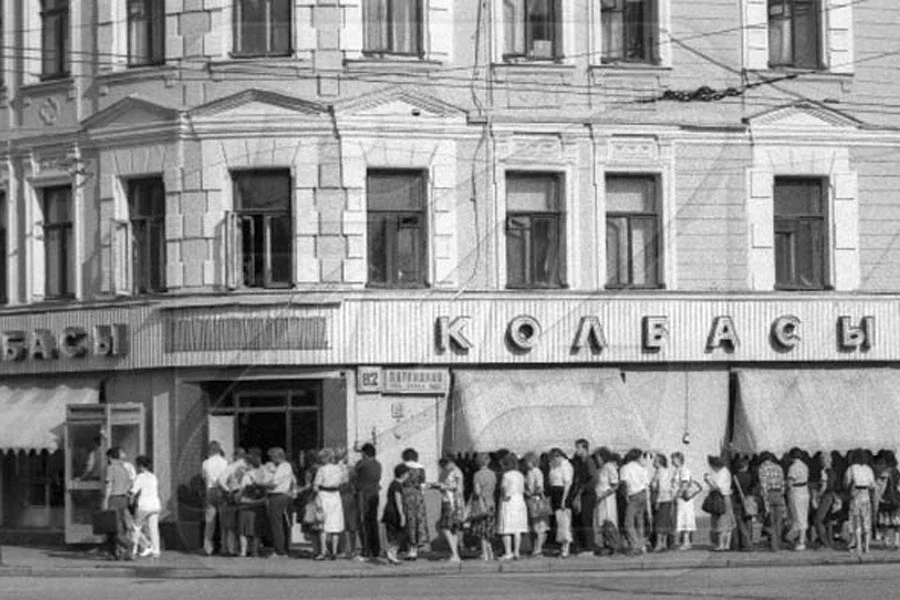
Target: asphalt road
856, 582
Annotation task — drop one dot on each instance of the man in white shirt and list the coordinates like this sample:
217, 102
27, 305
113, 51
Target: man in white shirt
230, 482
212, 468
634, 477
798, 498
280, 483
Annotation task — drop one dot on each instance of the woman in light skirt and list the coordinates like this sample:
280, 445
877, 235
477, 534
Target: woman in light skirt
685, 519
329, 479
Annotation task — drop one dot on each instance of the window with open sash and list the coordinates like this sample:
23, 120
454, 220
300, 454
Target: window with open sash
59, 244
260, 246
396, 228
629, 31
262, 27
800, 241
393, 27
146, 32
532, 29
632, 238
794, 34
54, 38
145, 242
534, 231
4, 249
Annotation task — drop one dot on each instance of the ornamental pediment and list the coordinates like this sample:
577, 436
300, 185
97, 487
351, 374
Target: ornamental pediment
257, 106
400, 104
133, 112
803, 115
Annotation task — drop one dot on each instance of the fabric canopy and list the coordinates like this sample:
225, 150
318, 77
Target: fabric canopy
32, 418
817, 409
524, 410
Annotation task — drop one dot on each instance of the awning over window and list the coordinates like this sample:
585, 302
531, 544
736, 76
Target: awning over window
817, 409
526, 410
33, 418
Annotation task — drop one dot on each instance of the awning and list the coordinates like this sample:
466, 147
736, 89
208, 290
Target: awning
33, 417
817, 409
526, 410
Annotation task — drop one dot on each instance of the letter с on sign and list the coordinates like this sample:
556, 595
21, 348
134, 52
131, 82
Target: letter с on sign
72, 342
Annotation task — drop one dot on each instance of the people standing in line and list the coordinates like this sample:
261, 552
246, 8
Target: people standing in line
350, 535
115, 497
212, 469
744, 487
251, 504
685, 516
145, 491
860, 480
534, 490
484, 487
230, 482
414, 504
450, 483
771, 487
329, 479
888, 519
827, 495
606, 508
634, 477
584, 496
513, 521
394, 516
280, 481
720, 481
561, 478
367, 476
663, 494
798, 498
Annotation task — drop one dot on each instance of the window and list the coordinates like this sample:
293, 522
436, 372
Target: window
262, 27
534, 231
147, 208
632, 239
146, 32
531, 29
54, 38
59, 245
4, 250
396, 228
799, 234
262, 238
629, 28
794, 34
393, 27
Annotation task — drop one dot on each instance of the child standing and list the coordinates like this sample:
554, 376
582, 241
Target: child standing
394, 518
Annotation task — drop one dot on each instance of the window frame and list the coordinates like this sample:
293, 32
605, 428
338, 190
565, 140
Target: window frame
4, 246
658, 244
153, 30
555, 26
649, 29
66, 231
394, 217
244, 215
558, 215
822, 238
389, 25
141, 258
61, 62
816, 7
236, 14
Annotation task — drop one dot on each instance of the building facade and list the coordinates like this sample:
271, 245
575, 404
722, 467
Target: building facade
449, 225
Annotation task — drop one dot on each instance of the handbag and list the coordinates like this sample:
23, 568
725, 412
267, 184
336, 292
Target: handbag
714, 503
751, 506
476, 510
313, 514
105, 522
538, 507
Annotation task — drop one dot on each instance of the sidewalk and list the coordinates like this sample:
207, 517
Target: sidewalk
60, 562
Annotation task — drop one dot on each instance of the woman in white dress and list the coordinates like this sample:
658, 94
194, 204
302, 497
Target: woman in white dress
534, 488
685, 519
146, 489
329, 479
513, 521
606, 511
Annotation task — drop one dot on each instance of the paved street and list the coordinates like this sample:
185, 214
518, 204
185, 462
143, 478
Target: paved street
858, 582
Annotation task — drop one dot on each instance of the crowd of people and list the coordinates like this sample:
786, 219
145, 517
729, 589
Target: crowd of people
595, 501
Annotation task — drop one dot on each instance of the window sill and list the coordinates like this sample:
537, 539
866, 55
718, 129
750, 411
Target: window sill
236, 64
635, 288
819, 76
137, 73
547, 66
813, 290
48, 86
631, 68
397, 287
537, 288
400, 64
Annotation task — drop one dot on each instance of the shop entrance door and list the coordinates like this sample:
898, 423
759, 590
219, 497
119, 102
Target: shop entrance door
92, 429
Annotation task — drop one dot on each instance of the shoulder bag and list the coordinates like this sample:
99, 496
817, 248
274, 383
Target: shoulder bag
714, 503
751, 507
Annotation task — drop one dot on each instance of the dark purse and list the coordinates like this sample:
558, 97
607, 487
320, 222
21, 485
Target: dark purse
477, 510
538, 507
714, 503
105, 522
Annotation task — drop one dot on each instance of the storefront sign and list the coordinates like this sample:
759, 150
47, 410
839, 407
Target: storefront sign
71, 342
211, 334
373, 380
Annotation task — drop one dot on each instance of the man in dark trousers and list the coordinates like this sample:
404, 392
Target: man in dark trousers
115, 497
584, 497
368, 485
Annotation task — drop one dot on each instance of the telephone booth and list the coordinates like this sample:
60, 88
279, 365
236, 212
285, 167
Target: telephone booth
91, 429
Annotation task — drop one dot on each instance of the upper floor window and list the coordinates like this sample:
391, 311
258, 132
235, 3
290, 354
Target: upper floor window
147, 212
800, 243
54, 38
393, 27
794, 34
632, 222
629, 31
532, 29
59, 244
262, 27
4, 249
146, 32
534, 231
396, 228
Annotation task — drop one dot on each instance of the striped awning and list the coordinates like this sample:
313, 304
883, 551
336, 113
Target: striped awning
33, 417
